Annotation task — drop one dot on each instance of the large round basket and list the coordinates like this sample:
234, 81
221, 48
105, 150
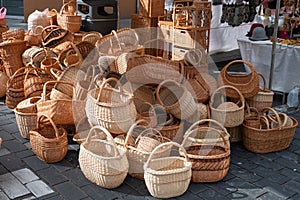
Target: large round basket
101, 161
247, 84
210, 161
268, 140
168, 176
232, 114
48, 142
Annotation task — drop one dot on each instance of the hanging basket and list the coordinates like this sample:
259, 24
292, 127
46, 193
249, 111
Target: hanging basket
247, 84
168, 176
227, 113
264, 98
269, 139
49, 143
210, 162
101, 161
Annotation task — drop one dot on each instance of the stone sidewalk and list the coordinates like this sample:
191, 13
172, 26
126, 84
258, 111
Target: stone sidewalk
251, 176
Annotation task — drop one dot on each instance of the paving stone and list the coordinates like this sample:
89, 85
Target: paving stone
97, 192
28, 145
3, 196
4, 151
289, 164
196, 188
69, 191
14, 146
244, 163
294, 148
12, 187
24, 154
240, 195
50, 196
51, 176
25, 175
246, 175
211, 194
77, 177
229, 175
4, 120
39, 188
63, 165
295, 197
188, 195
269, 156
288, 155
292, 174
293, 185
270, 175
275, 188
222, 187
20, 138
275, 165
3, 170
11, 128
29, 198
250, 190
125, 189
268, 196
35, 163
6, 136
12, 162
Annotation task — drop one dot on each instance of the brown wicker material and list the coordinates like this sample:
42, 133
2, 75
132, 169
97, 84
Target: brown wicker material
49, 143
176, 99
92, 37
68, 18
137, 158
11, 52
202, 136
26, 116
247, 84
269, 139
18, 34
285, 119
169, 176
111, 108
48, 63
37, 58
33, 85
3, 82
149, 69
235, 133
141, 94
59, 110
101, 161
252, 117
147, 112
29, 53
264, 98
210, 161
54, 35
228, 113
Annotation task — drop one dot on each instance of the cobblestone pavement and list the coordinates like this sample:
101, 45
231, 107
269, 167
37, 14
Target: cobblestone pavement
251, 175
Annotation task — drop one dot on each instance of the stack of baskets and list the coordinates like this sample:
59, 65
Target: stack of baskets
68, 17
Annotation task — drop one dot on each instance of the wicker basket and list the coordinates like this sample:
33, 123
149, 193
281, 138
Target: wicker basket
11, 52
227, 113
48, 63
68, 18
264, 98
59, 110
3, 82
92, 37
247, 84
26, 116
269, 139
111, 108
49, 143
101, 161
252, 117
141, 94
54, 35
169, 176
203, 136
210, 161
148, 114
136, 157
176, 99
18, 34
84, 86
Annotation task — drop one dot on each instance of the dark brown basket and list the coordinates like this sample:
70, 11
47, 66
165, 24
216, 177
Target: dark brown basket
48, 142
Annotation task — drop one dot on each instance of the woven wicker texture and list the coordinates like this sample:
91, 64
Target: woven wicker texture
54, 35
264, 98
49, 143
228, 113
269, 139
68, 18
168, 176
247, 84
210, 161
101, 161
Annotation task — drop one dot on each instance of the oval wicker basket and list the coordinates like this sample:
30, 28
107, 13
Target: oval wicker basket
101, 161
231, 115
168, 176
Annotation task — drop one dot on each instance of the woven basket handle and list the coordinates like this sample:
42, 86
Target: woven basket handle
129, 133
202, 121
249, 109
280, 125
117, 38
146, 133
159, 87
146, 104
239, 61
273, 118
50, 120
89, 78
181, 149
188, 134
47, 31
264, 82
55, 72
231, 87
21, 70
52, 82
110, 139
107, 81
77, 53
264, 119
